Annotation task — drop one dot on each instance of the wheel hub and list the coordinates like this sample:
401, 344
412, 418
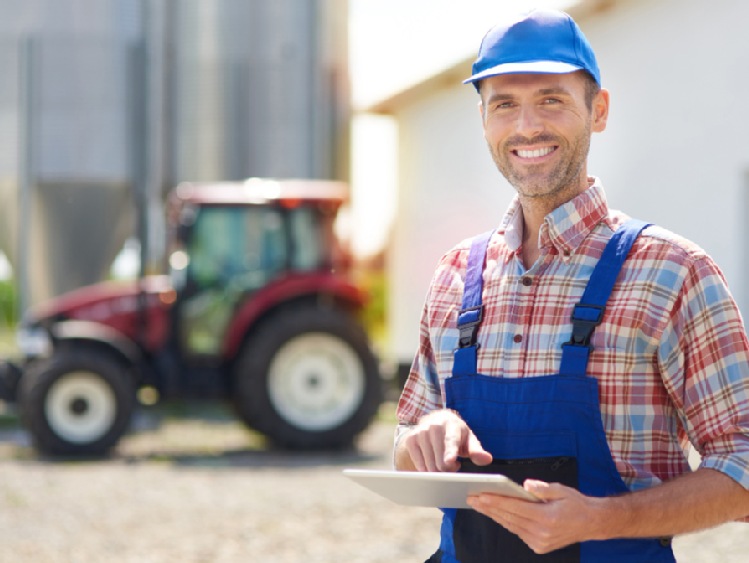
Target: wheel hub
80, 407
316, 381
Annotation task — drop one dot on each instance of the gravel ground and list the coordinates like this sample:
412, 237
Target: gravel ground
199, 488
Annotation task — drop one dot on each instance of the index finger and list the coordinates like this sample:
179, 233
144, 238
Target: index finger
455, 435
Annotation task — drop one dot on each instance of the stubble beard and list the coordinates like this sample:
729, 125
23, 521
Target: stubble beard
560, 182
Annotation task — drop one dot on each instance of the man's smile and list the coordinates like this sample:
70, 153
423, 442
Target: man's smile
534, 153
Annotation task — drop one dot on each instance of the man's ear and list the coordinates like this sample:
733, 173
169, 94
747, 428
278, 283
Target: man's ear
600, 110
480, 107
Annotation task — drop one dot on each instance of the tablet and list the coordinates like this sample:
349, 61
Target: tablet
436, 489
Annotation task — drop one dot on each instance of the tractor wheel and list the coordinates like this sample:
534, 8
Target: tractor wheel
76, 403
308, 380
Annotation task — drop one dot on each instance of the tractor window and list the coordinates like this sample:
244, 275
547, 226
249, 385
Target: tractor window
308, 253
242, 246
233, 251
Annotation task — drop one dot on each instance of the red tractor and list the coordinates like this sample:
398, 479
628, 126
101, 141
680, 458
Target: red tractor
256, 309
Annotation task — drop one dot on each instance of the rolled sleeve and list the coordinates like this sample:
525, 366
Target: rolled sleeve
734, 465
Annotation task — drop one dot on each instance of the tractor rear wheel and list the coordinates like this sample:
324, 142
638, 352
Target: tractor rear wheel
308, 380
76, 403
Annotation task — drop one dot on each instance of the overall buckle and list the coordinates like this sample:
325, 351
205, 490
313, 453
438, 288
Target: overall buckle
585, 318
468, 324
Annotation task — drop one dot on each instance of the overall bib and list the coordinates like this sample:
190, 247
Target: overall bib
546, 428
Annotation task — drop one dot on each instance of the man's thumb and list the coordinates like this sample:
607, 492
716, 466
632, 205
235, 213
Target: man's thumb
541, 489
476, 452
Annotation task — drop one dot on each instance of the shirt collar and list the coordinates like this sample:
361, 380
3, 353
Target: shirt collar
564, 228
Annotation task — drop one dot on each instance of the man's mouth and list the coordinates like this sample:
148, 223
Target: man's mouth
535, 153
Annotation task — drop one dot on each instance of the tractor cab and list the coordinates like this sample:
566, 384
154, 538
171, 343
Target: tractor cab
232, 244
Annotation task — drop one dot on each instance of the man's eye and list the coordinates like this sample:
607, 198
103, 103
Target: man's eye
551, 101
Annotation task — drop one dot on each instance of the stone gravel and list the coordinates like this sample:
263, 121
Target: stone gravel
199, 488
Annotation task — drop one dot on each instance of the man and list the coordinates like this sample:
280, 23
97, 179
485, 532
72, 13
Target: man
583, 383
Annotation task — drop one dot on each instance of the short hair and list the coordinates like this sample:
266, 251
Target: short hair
591, 90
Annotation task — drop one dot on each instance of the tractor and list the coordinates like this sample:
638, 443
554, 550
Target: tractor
257, 308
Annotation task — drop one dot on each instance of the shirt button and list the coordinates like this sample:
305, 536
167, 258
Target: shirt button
517, 338
527, 281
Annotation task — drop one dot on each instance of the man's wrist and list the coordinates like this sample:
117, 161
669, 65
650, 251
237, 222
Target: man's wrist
605, 515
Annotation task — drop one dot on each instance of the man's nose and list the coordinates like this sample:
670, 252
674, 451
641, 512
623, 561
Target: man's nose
529, 122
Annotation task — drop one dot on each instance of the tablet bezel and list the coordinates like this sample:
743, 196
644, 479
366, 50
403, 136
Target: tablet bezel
436, 489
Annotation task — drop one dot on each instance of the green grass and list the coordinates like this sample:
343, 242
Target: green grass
8, 347
8, 419
8, 303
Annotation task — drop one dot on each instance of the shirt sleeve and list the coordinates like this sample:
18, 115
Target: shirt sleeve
422, 391
704, 357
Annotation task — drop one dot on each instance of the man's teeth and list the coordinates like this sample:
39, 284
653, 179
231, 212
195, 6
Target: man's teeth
535, 153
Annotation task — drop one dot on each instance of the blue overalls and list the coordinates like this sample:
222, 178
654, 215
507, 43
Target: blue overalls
546, 428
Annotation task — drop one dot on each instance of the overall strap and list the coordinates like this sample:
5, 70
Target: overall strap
588, 313
471, 312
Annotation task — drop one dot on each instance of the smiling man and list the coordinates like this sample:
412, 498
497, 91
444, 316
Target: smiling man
573, 349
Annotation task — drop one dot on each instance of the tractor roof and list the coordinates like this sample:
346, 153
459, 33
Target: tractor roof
258, 191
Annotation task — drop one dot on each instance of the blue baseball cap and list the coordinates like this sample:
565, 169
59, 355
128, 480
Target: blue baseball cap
539, 41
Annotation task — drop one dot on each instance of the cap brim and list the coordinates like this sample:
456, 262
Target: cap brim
537, 67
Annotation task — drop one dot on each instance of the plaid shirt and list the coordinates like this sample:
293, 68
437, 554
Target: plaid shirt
671, 356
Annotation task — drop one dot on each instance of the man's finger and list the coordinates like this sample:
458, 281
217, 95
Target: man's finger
545, 491
476, 451
453, 445
416, 455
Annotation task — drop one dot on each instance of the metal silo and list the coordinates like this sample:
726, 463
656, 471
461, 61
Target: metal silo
258, 88
66, 114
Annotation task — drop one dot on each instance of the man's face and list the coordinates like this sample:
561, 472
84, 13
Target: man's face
538, 129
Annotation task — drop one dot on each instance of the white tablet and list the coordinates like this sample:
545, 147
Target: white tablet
442, 490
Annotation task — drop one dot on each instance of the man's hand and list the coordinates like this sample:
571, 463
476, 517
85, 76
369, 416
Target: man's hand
693, 501
565, 517
436, 443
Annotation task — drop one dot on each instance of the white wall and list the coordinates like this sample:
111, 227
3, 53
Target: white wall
676, 151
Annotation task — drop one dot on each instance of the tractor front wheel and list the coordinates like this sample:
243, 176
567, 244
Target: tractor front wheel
76, 403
